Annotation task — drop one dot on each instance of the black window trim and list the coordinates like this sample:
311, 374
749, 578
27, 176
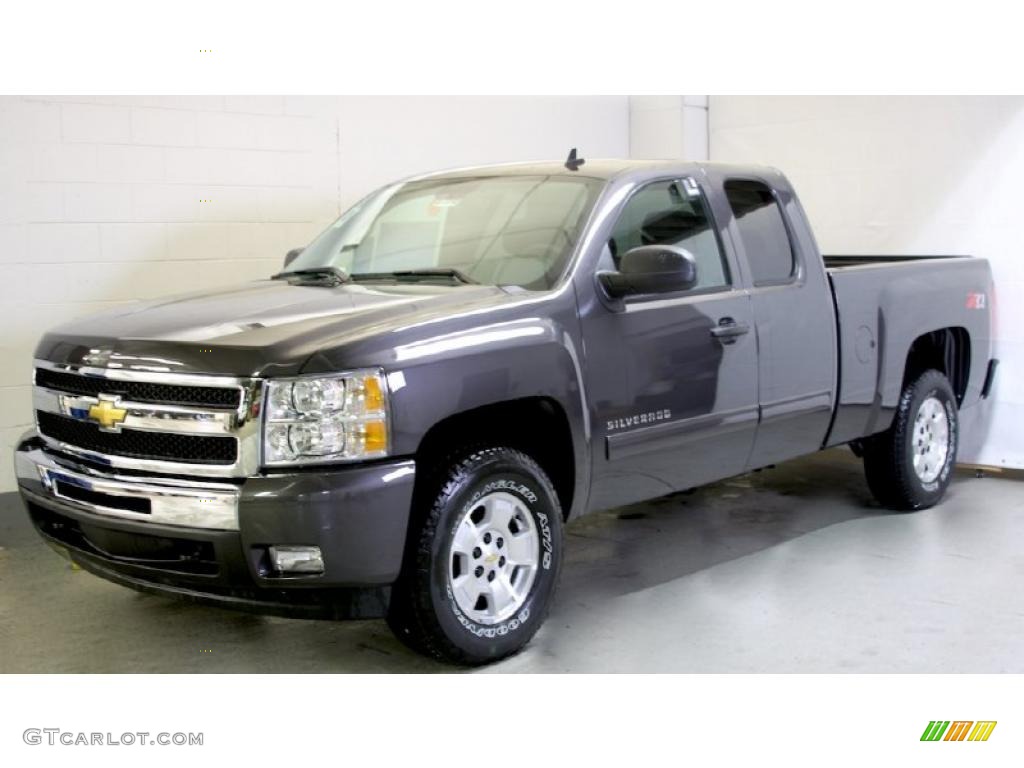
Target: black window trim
723, 254
797, 275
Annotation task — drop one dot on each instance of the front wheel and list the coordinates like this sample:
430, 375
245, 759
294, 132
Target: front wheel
910, 465
485, 556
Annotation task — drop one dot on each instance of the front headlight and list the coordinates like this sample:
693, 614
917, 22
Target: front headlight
310, 420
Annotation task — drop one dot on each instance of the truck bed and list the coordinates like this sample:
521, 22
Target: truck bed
885, 303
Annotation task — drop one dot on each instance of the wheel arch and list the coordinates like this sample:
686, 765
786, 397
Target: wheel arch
538, 426
947, 350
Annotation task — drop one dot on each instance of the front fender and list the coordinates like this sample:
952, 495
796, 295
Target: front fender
440, 376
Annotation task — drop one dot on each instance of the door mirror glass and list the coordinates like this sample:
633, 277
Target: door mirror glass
652, 269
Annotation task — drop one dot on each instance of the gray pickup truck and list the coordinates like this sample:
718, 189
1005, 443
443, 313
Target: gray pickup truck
402, 421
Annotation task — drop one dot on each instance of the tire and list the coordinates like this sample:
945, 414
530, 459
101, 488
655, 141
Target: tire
925, 406
488, 502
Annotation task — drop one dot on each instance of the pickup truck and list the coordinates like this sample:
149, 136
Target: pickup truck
402, 421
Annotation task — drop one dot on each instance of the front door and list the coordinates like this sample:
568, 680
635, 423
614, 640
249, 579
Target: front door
671, 378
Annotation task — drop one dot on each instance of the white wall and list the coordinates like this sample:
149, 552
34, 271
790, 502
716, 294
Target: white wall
922, 175
107, 200
668, 127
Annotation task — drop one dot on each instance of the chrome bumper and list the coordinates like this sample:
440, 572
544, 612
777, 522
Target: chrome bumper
171, 502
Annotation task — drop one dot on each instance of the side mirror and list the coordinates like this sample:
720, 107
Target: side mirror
651, 269
292, 255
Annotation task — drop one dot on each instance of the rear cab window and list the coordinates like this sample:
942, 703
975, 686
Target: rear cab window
763, 232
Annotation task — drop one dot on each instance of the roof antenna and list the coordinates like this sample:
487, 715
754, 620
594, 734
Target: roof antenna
573, 163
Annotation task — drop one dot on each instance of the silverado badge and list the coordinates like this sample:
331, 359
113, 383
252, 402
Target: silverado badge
639, 419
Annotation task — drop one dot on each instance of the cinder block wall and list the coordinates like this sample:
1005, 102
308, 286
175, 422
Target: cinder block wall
108, 200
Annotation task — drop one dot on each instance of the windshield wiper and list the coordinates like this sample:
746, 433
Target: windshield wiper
317, 275
413, 274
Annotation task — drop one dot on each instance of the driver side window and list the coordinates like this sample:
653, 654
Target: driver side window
672, 213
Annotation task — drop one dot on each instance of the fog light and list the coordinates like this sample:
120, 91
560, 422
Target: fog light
288, 559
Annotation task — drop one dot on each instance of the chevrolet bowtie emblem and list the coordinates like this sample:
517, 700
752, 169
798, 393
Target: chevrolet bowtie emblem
107, 414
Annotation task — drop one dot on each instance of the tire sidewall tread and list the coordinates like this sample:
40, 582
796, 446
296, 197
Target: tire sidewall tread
423, 613
888, 457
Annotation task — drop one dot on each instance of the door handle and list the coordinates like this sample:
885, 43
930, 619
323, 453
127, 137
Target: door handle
728, 330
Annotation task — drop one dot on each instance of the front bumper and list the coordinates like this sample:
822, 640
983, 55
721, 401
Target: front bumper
209, 541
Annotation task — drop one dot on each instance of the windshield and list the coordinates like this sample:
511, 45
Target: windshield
497, 230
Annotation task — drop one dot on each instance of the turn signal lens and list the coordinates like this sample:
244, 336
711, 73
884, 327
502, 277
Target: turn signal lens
375, 437
374, 397
365, 395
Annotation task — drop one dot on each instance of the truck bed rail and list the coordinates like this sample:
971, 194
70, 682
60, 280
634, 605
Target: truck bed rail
839, 262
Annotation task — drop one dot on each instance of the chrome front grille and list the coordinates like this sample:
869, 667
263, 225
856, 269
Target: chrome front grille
160, 422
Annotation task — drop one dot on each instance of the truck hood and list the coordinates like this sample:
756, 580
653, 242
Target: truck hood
263, 328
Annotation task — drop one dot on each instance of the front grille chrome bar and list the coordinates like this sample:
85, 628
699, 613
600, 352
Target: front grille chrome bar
153, 377
145, 417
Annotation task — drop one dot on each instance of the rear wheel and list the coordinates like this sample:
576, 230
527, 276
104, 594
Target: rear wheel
484, 560
910, 465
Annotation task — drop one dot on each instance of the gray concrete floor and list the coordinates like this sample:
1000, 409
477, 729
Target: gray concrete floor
793, 569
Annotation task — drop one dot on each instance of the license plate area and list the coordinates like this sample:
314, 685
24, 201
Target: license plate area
66, 489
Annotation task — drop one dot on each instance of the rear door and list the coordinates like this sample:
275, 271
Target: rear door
793, 311
671, 378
